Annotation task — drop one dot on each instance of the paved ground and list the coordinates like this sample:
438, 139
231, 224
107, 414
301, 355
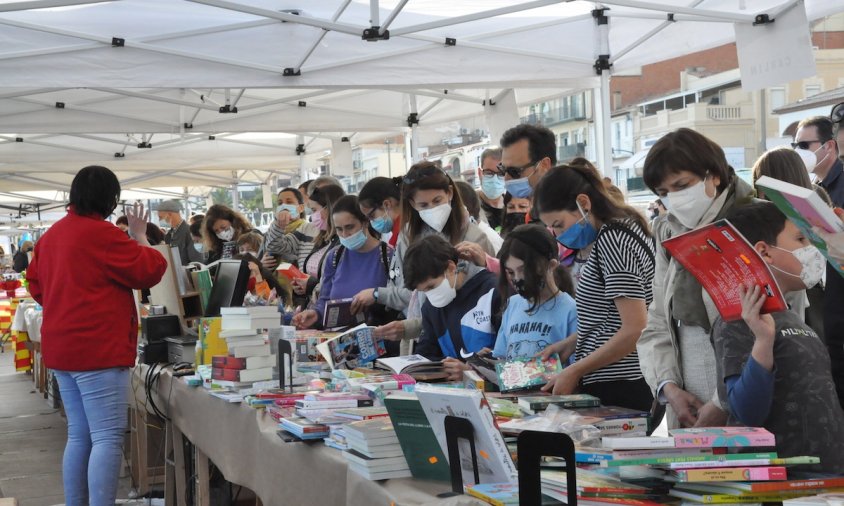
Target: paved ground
32, 439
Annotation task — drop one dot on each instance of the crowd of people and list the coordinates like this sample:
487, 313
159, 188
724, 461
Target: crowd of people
544, 258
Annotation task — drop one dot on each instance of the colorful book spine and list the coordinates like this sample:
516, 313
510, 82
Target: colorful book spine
723, 437
616, 462
226, 362
790, 461
637, 443
775, 473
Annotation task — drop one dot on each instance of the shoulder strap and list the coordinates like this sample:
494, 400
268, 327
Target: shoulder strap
338, 254
385, 261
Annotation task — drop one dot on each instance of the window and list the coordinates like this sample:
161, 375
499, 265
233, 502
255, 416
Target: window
616, 100
812, 90
777, 97
564, 139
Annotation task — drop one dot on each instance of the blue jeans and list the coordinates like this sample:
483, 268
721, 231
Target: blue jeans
96, 404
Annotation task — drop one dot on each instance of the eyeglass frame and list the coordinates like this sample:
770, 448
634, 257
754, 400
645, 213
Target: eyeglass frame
801, 144
496, 173
511, 171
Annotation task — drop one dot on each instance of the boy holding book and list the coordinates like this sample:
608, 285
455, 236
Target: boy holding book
774, 367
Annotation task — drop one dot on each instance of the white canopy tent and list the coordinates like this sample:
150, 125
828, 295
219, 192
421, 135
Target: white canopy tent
82, 80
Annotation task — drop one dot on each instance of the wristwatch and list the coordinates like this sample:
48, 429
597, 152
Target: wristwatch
375, 294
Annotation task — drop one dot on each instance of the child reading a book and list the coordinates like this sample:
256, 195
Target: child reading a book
775, 371
452, 288
538, 314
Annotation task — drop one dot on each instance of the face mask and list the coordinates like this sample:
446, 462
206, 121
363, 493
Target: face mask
513, 220
163, 223
198, 247
689, 205
493, 186
442, 295
355, 241
809, 158
579, 235
383, 224
812, 265
436, 217
519, 188
308, 211
226, 235
290, 208
317, 221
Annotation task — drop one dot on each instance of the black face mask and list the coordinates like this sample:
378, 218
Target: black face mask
513, 220
523, 291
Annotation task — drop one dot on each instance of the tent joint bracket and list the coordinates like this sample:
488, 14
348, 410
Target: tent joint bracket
600, 16
762, 19
228, 109
412, 119
602, 64
118, 42
291, 72
300, 149
450, 41
375, 34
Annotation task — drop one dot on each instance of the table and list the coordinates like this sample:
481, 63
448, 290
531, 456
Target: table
242, 443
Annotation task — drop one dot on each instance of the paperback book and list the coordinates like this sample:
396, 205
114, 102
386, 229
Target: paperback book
352, 348
526, 373
722, 437
765, 473
532, 404
338, 315
424, 456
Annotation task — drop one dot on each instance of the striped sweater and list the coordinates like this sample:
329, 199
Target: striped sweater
293, 247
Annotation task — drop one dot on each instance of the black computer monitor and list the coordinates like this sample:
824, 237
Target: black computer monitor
229, 288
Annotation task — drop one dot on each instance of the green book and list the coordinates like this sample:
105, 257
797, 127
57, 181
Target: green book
722, 457
416, 437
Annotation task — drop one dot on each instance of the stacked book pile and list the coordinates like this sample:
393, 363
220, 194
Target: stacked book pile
304, 429
374, 450
250, 318
594, 488
323, 407
249, 358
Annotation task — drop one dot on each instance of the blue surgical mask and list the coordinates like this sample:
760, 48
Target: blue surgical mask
198, 247
519, 188
383, 224
290, 208
493, 186
355, 241
579, 235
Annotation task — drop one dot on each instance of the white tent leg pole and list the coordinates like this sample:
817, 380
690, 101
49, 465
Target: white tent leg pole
303, 172
414, 144
235, 194
604, 133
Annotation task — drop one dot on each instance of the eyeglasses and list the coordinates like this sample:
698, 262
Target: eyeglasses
804, 144
515, 172
491, 173
837, 114
419, 174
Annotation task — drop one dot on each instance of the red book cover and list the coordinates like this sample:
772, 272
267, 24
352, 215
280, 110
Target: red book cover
820, 483
218, 373
722, 260
226, 362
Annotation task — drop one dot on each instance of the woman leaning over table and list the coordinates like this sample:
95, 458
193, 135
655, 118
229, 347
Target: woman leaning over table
83, 273
614, 289
690, 174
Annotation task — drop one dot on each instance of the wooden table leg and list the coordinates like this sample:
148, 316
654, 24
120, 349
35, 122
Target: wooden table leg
203, 479
179, 465
170, 471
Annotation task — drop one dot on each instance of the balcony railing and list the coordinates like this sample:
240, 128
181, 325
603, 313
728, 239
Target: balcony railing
555, 116
635, 184
571, 151
695, 113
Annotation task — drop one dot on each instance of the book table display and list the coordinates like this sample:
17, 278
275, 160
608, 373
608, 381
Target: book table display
243, 444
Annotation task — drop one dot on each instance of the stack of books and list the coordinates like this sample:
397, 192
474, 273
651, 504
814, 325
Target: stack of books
617, 421
323, 407
374, 451
250, 318
249, 357
303, 428
533, 404
595, 487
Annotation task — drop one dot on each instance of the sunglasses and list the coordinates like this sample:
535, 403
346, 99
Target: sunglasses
804, 144
515, 172
837, 114
420, 174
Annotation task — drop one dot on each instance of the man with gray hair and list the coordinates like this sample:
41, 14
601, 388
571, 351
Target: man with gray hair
492, 187
323, 181
178, 231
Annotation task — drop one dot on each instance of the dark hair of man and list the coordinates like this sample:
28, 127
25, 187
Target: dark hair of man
379, 189
94, 190
685, 149
326, 196
196, 229
533, 245
349, 204
494, 153
823, 125
783, 164
541, 142
426, 259
559, 188
758, 221
470, 199
220, 212
429, 176
154, 234
299, 198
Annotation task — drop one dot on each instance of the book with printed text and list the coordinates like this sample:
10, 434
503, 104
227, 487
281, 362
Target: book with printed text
416, 437
526, 373
352, 348
764, 473
722, 437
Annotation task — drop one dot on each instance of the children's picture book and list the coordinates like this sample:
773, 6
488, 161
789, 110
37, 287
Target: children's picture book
338, 315
526, 373
497, 494
707, 437
805, 209
495, 465
352, 348
722, 261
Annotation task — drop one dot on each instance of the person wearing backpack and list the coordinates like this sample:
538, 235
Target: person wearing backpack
614, 290
361, 261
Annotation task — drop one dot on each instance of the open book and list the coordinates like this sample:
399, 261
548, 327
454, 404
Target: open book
409, 364
352, 348
805, 209
722, 261
338, 315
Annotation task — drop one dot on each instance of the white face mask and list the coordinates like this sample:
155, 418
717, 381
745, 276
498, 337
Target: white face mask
810, 158
226, 235
689, 205
441, 295
436, 217
812, 265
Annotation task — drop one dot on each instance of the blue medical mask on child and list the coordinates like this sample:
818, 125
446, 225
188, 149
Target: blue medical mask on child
579, 235
198, 247
493, 186
383, 224
355, 241
519, 188
290, 208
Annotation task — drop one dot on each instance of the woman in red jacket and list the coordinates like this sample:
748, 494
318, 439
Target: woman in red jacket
83, 273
